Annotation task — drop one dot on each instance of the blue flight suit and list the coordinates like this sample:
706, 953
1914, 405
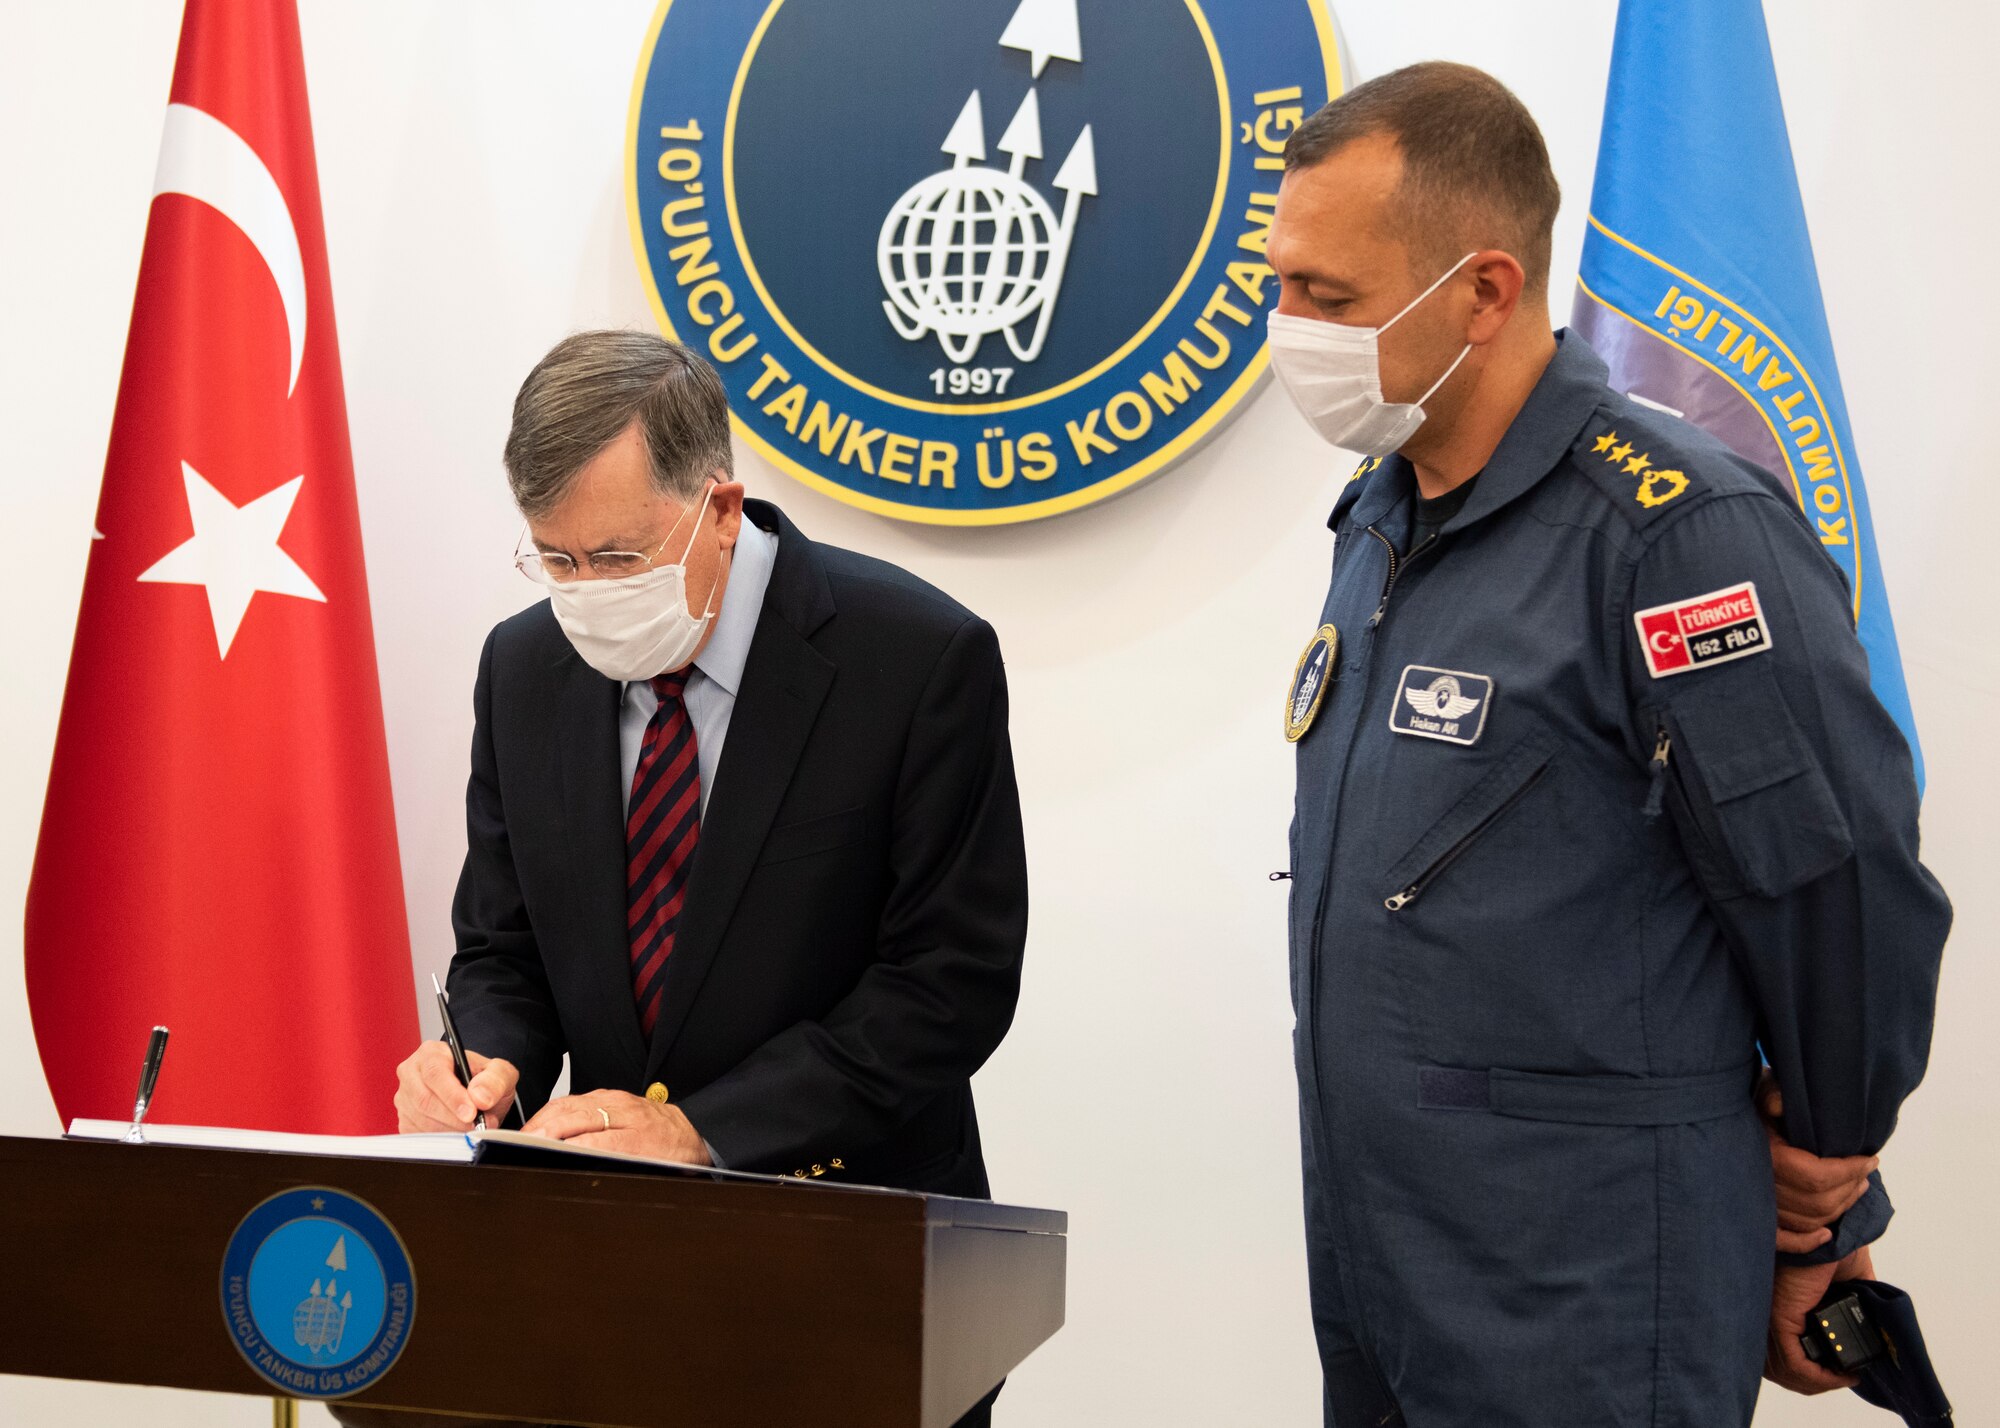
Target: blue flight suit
1548, 901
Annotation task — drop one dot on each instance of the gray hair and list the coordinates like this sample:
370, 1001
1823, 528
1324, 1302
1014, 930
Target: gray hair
589, 389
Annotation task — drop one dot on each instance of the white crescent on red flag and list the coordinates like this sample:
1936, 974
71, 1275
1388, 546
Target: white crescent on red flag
218, 846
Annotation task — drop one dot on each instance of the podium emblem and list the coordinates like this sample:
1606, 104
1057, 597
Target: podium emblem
317, 1292
978, 262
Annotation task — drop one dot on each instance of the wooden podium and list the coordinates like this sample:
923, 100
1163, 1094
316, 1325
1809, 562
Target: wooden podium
567, 1295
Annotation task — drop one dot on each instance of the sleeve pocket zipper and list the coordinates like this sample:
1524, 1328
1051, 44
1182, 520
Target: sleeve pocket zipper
1452, 854
1656, 769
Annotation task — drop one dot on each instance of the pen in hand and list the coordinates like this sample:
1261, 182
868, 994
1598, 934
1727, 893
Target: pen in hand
458, 1060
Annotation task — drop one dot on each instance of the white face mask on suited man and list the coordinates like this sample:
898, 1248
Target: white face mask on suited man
1333, 374
632, 627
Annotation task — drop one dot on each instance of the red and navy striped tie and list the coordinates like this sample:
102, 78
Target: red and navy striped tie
661, 827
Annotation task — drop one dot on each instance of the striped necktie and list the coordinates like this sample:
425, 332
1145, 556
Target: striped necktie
661, 826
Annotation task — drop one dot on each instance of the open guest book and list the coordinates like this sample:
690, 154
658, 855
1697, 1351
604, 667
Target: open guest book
479, 1147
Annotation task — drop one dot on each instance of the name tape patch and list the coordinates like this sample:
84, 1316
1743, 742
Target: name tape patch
1446, 704
1709, 629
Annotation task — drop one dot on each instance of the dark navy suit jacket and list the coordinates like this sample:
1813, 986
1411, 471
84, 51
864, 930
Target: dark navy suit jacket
850, 949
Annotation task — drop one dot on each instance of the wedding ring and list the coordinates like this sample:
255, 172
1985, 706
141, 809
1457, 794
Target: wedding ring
607, 1117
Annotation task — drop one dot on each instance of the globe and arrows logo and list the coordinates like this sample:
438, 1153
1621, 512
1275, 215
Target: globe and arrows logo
319, 1321
317, 1293
975, 263
972, 250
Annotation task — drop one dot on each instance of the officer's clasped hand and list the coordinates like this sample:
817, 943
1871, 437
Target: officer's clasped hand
1813, 1191
1797, 1291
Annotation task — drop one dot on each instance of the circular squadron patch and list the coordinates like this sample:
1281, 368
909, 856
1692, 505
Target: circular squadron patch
317, 1293
977, 262
1309, 681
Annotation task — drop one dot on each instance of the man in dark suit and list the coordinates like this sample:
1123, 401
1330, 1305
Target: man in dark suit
744, 838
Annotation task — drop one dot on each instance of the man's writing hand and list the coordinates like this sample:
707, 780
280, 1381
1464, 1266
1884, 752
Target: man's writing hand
429, 1098
636, 1126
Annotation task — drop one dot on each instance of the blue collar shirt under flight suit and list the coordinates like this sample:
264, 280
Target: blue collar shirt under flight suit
1551, 891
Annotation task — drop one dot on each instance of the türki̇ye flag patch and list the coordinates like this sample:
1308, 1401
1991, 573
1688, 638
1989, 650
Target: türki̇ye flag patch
1709, 629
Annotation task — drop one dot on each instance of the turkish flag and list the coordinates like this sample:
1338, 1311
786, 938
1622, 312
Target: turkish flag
218, 847
1666, 650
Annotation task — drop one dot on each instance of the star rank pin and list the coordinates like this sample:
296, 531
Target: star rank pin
1310, 678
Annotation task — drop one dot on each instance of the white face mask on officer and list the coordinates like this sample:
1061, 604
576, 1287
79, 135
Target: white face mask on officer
637, 626
1333, 374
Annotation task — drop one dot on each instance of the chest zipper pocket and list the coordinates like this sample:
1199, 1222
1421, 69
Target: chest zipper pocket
1482, 823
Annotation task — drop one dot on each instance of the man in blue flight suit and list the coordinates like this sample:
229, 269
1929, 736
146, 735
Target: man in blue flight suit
1593, 800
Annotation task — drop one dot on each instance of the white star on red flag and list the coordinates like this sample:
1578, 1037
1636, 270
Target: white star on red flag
218, 844
234, 553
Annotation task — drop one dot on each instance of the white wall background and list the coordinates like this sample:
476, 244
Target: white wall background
470, 169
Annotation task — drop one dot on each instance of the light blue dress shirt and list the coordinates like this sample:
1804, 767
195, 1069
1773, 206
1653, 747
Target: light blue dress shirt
718, 669
718, 674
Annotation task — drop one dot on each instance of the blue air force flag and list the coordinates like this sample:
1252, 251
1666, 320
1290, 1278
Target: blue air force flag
1698, 287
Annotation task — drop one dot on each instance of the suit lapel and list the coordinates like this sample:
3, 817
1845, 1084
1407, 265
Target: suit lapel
785, 681
586, 729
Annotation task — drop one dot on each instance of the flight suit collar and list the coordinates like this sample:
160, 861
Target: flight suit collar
1568, 391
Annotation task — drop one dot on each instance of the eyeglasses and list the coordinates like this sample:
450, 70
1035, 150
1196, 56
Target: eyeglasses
553, 567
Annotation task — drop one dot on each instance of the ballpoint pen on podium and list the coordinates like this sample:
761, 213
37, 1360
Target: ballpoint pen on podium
149, 1075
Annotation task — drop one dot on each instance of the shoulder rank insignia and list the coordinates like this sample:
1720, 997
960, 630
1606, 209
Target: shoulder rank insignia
1656, 485
1309, 681
1351, 490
